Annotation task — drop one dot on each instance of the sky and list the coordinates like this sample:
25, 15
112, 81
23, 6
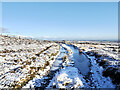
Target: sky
62, 20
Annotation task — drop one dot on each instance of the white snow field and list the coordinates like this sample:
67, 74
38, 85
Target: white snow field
68, 77
32, 63
22, 59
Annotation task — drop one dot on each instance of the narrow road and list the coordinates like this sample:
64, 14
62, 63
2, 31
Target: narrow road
80, 60
58, 62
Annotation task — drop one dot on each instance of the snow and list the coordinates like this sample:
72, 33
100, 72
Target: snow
68, 49
19, 62
68, 77
97, 79
104, 49
28, 62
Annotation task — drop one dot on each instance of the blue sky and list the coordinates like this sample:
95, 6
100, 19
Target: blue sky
62, 20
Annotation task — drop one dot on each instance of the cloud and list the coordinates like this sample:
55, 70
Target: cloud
3, 30
47, 37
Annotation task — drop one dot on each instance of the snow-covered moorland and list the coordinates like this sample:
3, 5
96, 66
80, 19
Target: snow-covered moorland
68, 49
67, 77
104, 60
23, 59
31, 63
